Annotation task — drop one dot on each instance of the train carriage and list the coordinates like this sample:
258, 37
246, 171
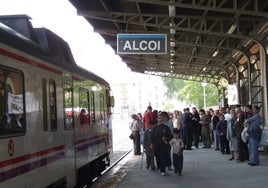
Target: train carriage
45, 139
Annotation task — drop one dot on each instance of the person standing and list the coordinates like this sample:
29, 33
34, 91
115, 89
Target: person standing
176, 120
195, 126
205, 131
222, 129
228, 117
140, 119
254, 133
149, 116
149, 149
161, 136
242, 147
177, 146
187, 129
167, 121
214, 120
135, 127
231, 136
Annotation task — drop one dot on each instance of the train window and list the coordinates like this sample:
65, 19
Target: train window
92, 108
52, 105
84, 106
109, 99
111, 103
12, 102
44, 99
68, 103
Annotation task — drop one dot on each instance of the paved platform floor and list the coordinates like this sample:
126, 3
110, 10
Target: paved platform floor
202, 168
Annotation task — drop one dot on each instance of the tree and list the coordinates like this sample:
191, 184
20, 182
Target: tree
191, 92
173, 86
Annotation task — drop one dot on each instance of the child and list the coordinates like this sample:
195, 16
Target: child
149, 147
222, 129
177, 146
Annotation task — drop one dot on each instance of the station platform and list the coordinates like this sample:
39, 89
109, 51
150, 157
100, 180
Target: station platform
202, 168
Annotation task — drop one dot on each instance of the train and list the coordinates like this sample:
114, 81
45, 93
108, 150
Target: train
55, 128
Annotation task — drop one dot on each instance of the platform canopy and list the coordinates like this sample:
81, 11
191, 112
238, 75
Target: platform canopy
206, 39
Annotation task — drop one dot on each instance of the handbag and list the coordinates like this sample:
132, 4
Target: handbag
244, 134
131, 136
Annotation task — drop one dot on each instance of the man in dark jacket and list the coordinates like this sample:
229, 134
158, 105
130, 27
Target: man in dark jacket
195, 126
161, 136
149, 149
187, 131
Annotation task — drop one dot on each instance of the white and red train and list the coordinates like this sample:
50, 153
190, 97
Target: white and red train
54, 129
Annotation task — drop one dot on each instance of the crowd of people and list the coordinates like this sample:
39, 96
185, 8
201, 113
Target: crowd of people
164, 135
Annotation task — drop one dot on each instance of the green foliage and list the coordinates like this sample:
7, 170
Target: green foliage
173, 86
167, 106
191, 92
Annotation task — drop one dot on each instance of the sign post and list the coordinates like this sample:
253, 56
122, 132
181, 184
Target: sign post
141, 43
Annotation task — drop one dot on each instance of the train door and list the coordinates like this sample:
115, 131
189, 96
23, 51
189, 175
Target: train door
69, 135
110, 105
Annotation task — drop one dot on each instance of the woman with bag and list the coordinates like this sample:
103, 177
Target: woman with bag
135, 127
231, 136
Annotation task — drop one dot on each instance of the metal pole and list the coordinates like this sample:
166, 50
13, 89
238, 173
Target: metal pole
204, 97
204, 84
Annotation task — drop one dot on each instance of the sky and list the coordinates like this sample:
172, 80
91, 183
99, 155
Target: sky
88, 48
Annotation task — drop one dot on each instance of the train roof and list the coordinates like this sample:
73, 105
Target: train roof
18, 32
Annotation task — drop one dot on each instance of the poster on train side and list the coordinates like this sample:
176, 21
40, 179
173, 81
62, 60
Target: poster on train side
15, 104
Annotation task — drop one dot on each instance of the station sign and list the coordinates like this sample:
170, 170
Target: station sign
141, 43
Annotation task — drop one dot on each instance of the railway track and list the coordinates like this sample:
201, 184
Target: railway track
116, 161
116, 157
122, 147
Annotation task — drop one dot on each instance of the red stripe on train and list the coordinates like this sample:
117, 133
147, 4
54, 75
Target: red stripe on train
30, 156
89, 139
20, 170
29, 61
